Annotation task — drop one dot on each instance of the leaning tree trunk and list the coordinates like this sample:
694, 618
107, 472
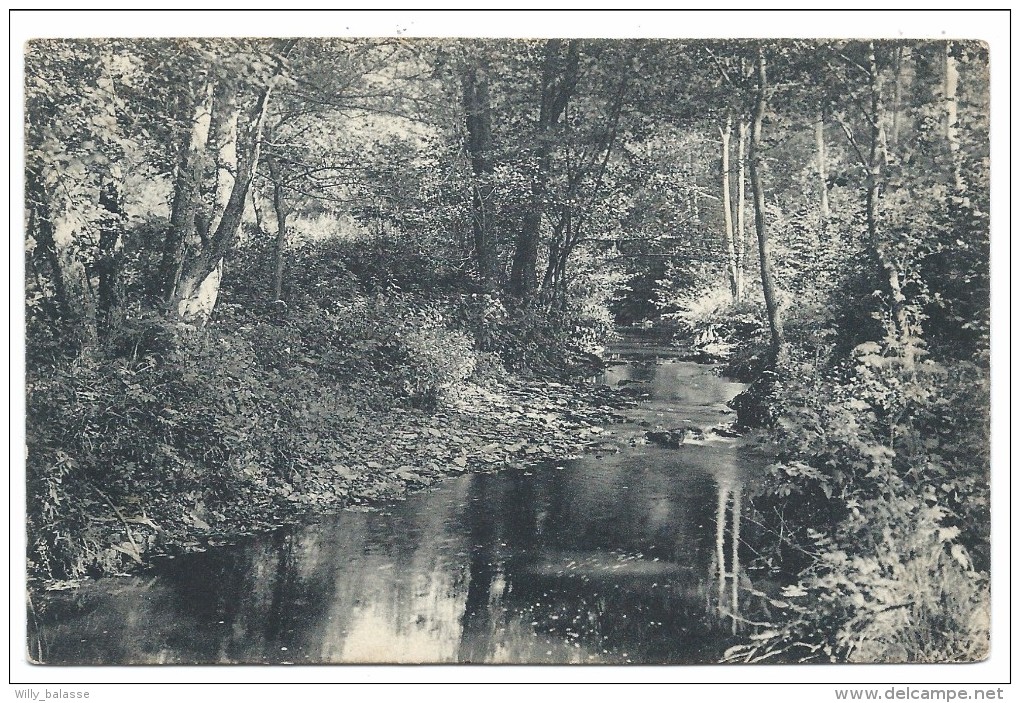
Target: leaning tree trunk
223, 134
778, 341
731, 251
187, 184
199, 284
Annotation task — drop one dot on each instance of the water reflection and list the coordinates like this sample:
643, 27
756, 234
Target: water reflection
729, 493
596, 560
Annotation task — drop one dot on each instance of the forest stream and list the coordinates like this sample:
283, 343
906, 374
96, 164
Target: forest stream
605, 559
312, 328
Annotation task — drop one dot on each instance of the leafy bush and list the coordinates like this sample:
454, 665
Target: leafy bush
184, 410
182, 424
419, 358
346, 318
904, 591
533, 339
883, 499
385, 264
711, 316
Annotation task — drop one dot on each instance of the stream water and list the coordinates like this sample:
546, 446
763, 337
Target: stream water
608, 559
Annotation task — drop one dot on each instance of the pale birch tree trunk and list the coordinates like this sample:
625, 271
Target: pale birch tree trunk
876, 157
894, 132
731, 253
951, 85
778, 339
199, 284
741, 239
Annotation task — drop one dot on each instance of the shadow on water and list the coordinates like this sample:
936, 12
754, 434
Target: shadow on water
630, 557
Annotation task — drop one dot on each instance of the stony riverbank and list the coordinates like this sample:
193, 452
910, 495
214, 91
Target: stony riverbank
511, 424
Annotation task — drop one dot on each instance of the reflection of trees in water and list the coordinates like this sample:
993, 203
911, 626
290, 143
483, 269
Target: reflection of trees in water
476, 630
729, 490
403, 595
567, 575
570, 566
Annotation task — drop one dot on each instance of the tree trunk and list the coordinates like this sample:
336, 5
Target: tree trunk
109, 259
874, 182
562, 282
522, 272
823, 175
741, 197
478, 119
556, 91
573, 229
280, 207
894, 135
187, 183
951, 84
552, 268
727, 206
198, 288
223, 148
54, 231
257, 211
778, 341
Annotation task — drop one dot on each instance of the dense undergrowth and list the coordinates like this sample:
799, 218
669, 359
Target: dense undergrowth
167, 433
877, 507
873, 517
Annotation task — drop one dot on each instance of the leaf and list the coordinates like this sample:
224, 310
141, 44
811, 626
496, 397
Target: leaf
948, 533
344, 472
794, 591
959, 553
130, 550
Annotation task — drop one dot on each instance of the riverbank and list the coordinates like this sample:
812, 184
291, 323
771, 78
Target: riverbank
606, 558
388, 454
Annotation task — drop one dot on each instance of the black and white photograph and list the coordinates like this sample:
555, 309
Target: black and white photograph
476, 350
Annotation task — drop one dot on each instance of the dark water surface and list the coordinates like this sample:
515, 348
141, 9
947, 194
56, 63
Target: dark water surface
604, 559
